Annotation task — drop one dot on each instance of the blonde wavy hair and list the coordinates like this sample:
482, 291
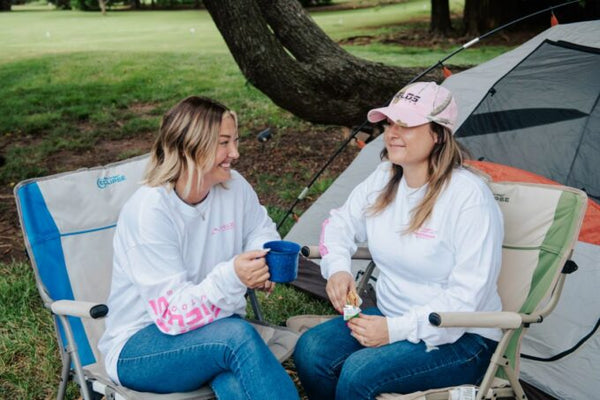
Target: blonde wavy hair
447, 154
187, 142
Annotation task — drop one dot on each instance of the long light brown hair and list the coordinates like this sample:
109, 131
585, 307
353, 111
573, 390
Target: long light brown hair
446, 155
187, 142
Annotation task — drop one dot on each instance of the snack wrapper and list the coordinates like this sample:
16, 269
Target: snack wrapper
350, 312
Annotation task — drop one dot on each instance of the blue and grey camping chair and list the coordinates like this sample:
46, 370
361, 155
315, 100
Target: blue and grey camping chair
541, 226
68, 223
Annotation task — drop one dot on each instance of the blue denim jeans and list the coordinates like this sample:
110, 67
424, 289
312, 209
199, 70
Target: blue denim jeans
332, 364
228, 354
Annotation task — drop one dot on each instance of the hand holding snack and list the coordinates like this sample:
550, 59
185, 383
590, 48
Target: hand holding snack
369, 330
338, 286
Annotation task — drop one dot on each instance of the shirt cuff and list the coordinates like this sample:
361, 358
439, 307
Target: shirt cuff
402, 328
232, 279
331, 265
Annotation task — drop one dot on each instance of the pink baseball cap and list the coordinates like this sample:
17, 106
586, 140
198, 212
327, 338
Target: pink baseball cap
418, 104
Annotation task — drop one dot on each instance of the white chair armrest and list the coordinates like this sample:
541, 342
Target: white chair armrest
500, 319
362, 253
83, 309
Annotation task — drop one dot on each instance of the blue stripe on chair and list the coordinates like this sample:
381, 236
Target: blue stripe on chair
44, 239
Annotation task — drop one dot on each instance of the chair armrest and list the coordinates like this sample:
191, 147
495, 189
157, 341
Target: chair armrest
310, 251
83, 309
362, 253
500, 319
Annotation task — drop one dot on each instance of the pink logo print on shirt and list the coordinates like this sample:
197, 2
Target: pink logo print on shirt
225, 227
323, 250
169, 318
425, 233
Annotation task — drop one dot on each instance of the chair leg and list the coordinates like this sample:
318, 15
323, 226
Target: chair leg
72, 351
497, 360
64, 375
255, 306
364, 281
514, 383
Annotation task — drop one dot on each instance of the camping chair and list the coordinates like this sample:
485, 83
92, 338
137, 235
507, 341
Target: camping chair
68, 223
541, 224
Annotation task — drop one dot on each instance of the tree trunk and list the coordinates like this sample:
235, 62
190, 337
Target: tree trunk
440, 17
5, 5
481, 16
283, 52
63, 4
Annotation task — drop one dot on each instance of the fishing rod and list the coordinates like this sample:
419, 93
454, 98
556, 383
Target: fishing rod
439, 63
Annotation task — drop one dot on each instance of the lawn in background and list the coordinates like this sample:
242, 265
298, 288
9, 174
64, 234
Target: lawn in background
70, 80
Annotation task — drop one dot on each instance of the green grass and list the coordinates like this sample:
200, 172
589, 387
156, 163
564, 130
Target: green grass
34, 33
75, 75
369, 20
28, 353
70, 81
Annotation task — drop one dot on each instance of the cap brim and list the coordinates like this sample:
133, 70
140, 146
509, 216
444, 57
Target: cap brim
376, 115
403, 117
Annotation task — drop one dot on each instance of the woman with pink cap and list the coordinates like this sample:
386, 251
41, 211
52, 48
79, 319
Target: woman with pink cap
435, 233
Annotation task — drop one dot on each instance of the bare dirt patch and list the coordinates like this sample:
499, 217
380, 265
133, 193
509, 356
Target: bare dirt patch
419, 36
309, 149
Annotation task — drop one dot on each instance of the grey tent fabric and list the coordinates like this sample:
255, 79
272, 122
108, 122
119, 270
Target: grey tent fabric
536, 108
557, 134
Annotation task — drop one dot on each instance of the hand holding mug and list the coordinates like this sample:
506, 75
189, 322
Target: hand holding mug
252, 269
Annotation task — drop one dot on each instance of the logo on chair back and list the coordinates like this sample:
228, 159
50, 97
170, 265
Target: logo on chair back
103, 183
502, 198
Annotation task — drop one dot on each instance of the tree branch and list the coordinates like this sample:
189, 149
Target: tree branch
283, 53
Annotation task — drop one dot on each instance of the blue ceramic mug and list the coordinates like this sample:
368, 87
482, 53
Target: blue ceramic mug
282, 260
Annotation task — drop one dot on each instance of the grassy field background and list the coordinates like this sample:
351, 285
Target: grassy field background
79, 89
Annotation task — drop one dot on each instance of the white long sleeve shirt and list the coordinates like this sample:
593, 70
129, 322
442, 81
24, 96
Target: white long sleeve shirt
451, 263
173, 262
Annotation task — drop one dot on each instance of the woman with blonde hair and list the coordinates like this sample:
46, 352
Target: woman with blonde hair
186, 249
435, 232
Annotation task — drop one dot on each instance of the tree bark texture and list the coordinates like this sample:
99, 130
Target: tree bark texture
284, 53
440, 23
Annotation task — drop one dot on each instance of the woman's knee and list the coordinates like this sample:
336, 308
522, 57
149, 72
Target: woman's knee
238, 332
357, 378
307, 347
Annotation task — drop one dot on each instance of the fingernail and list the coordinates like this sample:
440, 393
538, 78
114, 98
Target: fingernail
267, 250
